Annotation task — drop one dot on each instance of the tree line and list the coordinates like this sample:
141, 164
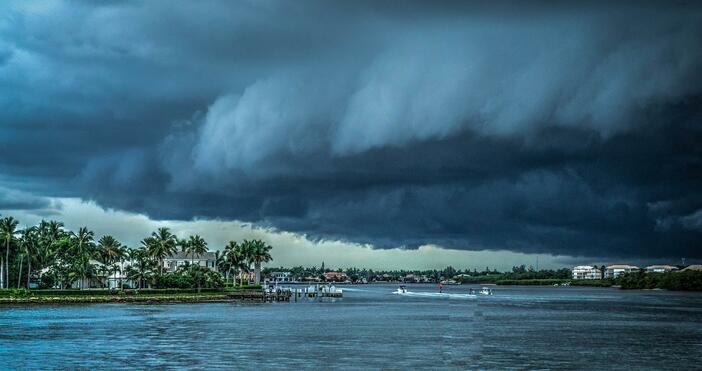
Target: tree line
465, 275
51, 256
679, 281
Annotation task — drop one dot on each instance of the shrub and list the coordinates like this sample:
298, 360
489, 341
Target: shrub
14, 293
189, 277
75, 292
683, 281
532, 282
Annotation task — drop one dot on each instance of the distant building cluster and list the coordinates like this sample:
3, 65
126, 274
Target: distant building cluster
332, 276
172, 262
587, 272
593, 272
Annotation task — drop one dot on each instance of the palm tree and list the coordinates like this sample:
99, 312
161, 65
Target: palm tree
219, 260
110, 253
83, 250
258, 252
246, 250
46, 254
84, 269
62, 258
140, 269
234, 257
161, 244
131, 254
196, 245
110, 248
28, 244
184, 246
8, 228
123, 252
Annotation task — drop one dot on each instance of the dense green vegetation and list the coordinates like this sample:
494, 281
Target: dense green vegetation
371, 275
557, 281
20, 293
52, 257
521, 274
607, 282
685, 281
679, 281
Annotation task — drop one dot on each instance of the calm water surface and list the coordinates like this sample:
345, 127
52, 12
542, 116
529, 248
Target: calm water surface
518, 327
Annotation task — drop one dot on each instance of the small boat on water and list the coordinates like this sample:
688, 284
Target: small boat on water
485, 291
401, 290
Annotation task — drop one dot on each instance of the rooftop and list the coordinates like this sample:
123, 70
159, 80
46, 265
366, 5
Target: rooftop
183, 256
661, 266
693, 267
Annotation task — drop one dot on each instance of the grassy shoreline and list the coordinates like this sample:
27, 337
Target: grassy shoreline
184, 298
23, 296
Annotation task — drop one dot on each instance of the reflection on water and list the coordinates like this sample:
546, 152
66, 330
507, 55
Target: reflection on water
520, 327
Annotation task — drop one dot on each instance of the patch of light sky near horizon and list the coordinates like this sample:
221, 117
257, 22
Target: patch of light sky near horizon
289, 249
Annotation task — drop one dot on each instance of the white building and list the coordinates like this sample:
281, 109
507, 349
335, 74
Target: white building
693, 267
107, 277
660, 268
280, 277
614, 271
586, 272
180, 258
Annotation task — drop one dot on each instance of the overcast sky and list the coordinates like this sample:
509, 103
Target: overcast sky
378, 133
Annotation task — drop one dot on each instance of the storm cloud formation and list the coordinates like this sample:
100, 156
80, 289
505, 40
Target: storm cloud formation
570, 129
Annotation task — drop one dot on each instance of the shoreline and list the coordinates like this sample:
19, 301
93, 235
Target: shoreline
115, 299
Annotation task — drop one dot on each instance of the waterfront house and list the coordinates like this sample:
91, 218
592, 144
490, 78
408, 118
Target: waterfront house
425, 279
586, 272
335, 276
280, 277
661, 268
173, 262
111, 277
249, 277
615, 270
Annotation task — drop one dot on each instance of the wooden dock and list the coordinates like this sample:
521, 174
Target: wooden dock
260, 295
285, 294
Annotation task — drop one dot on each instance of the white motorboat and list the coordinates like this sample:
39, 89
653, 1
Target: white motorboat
485, 291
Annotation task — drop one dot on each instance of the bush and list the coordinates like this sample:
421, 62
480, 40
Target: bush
560, 274
47, 281
532, 282
245, 287
74, 292
188, 278
681, 281
14, 293
595, 283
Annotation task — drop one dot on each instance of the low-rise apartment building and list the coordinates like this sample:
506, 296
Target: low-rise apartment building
587, 272
616, 270
661, 268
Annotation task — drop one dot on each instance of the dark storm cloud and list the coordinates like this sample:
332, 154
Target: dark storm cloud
11, 199
563, 128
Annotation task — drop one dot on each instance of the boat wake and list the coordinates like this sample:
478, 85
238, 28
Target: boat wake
443, 295
354, 290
